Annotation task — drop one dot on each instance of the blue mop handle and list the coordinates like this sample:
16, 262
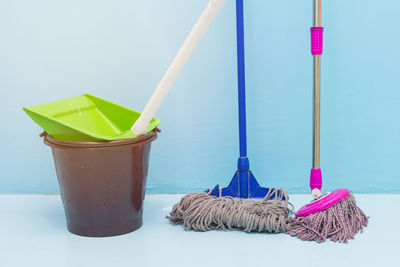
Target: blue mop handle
241, 78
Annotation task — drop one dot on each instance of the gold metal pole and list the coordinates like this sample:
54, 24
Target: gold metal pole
317, 92
317, 13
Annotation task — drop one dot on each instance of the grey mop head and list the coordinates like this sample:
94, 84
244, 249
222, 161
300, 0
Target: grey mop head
339, 222
204, 212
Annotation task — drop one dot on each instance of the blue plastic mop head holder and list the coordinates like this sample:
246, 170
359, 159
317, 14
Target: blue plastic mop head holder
243, 183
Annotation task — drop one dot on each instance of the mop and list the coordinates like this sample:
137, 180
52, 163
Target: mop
335, 215
244, 204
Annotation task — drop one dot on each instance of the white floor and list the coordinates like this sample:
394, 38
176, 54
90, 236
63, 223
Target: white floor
33, 233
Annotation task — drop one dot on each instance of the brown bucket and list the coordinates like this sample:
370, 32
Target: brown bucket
102, 183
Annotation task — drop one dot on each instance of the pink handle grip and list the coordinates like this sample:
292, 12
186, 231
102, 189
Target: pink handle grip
316, 179
316, 40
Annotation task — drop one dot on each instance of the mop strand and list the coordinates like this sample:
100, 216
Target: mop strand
339, 222
205, 212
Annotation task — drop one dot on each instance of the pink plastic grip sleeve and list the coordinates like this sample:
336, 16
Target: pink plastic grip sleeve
316, 40
316, 179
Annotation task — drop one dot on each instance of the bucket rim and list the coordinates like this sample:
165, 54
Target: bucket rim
52, 142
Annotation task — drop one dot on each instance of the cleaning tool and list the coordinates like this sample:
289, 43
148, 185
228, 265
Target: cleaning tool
89, 118
244, 204
335, 215
86, 118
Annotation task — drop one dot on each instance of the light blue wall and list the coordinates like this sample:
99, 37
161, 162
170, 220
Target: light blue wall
119, 50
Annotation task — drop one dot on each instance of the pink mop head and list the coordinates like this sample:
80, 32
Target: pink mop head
335, 216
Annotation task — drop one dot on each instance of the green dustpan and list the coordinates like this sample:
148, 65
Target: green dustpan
86, 118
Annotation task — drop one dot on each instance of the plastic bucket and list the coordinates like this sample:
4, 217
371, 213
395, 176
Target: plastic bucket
102, 183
